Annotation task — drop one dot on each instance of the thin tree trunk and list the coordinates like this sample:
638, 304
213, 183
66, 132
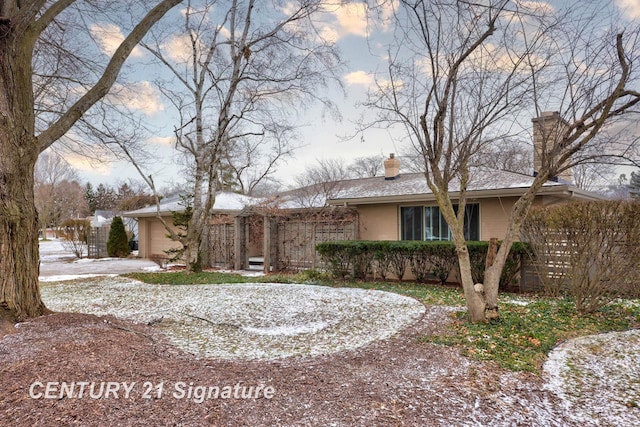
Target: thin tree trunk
474, 297
517, 217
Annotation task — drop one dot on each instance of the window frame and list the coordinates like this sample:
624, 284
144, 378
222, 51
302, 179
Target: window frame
473, 211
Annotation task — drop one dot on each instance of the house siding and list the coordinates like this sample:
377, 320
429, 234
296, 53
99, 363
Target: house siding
382, 221
379, 222
494, 217
153, 237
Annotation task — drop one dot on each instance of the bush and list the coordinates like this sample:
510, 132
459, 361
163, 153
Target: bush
118, 242
428, 260
75, 234
588, 249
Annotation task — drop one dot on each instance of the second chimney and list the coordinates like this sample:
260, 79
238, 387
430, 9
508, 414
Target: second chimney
391, 167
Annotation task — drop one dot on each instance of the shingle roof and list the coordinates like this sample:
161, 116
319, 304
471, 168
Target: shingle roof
225, 201
482, 179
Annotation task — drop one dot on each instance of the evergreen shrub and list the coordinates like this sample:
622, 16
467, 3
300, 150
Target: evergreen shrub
118, 242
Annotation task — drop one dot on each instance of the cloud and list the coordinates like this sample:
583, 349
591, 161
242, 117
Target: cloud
142, 96
631, 8
352, 19
361, 78
369, 81
98, 162
539, 6
162, 140
342, 20
109, 37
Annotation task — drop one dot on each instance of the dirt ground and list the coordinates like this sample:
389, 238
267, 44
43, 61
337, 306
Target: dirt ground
399, 381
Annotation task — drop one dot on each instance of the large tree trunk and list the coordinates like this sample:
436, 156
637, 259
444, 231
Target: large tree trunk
19, 257
474, 297
19, 149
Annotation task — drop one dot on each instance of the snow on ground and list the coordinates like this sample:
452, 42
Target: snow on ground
597, 377
57, 263
248, 321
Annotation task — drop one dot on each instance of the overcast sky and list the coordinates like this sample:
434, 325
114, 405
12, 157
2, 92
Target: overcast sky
321, 137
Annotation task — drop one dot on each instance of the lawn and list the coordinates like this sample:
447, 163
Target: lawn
529, 326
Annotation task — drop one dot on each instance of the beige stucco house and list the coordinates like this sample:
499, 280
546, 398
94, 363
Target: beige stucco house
396, 206
402, 207
152, 235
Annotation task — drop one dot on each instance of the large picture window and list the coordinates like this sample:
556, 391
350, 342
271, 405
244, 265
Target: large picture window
427, 223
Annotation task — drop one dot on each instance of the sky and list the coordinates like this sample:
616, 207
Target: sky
321, 137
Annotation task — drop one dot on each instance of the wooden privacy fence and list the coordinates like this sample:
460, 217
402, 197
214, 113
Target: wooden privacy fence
296, 238
222, 245
286, 239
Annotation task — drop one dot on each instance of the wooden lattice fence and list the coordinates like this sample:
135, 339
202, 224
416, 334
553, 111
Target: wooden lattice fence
222, 242
287, 238
298, 234
97, 242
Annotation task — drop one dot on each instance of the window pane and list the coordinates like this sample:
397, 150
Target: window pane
428, 223
472, 222
411, 223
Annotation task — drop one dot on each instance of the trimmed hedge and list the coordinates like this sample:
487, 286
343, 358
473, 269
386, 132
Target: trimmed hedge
357, 259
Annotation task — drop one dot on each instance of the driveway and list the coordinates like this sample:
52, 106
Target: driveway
57, 263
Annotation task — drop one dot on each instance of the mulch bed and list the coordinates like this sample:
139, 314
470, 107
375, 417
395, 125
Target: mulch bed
398, 381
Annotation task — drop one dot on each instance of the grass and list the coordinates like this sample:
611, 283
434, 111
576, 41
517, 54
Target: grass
519, 341
524, 335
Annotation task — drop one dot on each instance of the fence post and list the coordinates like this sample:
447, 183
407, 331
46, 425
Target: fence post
266, 244
240, 244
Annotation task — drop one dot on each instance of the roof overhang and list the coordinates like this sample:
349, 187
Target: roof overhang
154, 214
562, 191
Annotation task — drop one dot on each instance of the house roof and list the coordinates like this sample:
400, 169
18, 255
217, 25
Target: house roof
484, 183
225, 202
405, 188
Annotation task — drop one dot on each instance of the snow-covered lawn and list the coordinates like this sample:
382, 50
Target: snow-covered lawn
598, 378
252, 321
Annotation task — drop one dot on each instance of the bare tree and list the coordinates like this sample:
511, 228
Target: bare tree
593, 176
24, 31
369, 166
238, 69
319, 182
462, 74
252, 161
508, 155
50, 171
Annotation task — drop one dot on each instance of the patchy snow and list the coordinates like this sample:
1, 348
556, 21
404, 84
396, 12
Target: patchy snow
54, 251
598, 378
224, 201
516, 301
247, 321
57, 264
65, 277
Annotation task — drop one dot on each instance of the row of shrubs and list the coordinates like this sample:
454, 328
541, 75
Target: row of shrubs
427, 261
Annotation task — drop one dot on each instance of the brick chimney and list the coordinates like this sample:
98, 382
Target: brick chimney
548, 128
391, 167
